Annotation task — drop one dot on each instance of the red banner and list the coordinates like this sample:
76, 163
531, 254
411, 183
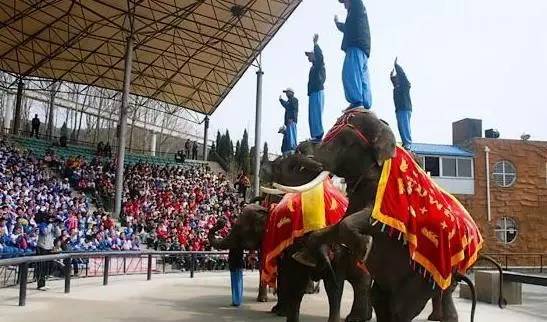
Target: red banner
295, 215
441, 234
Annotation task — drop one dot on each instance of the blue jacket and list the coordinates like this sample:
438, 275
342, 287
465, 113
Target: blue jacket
291, 109
401, 90
356, 29
318, 75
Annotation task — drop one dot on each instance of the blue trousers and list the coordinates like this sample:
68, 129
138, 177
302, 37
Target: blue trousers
289, 139
237, 286
355, 78
315, 115
403, 123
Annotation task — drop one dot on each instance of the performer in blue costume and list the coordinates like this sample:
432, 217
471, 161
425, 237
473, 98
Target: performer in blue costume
236, 265
356, 44
316, 91
291, 119
403, 104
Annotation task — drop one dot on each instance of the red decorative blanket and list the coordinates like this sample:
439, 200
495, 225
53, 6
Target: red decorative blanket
441, 234
296, 215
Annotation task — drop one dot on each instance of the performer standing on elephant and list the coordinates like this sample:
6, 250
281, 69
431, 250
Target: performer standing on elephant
403, 104
291, 119
316, 94
356, 44
236, 265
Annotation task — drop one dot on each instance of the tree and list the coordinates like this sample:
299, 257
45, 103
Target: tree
252, 160
237, 155
229, 147
265, 153
218, 141
244, 153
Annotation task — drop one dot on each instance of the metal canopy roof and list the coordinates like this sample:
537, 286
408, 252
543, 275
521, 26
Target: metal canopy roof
187, 53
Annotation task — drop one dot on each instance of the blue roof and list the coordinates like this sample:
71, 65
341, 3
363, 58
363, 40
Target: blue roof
440, 150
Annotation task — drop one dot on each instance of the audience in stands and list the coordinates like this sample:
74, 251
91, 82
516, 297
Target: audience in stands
30, 194
164, 207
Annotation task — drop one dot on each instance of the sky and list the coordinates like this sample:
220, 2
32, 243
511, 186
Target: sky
484, 59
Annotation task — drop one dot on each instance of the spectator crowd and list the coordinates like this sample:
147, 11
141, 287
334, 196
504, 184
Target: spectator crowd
164, 207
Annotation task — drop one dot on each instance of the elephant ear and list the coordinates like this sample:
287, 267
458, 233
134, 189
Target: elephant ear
384, 144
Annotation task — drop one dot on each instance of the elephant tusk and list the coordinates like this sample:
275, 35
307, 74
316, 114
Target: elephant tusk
318, 180
271, 191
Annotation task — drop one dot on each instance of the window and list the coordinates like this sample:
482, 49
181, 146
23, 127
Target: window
432, 166
465, 168
506, 230
504, 174
449, 167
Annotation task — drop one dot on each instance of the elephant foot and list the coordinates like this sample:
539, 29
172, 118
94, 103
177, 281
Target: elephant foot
355, 319
435, 317
278, 310
262, 298
305, 259
450, 318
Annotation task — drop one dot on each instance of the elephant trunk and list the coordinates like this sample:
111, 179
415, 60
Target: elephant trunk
221, 243
326, 261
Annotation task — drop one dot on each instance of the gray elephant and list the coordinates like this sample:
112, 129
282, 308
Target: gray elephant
248, 233
356, 149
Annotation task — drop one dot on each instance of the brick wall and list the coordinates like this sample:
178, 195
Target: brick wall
525, 201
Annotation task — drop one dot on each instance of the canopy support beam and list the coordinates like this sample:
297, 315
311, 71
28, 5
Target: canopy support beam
205, 138
258, 129
123, 125
18, 103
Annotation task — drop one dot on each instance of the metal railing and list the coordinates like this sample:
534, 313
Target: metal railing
534, 261
23, 264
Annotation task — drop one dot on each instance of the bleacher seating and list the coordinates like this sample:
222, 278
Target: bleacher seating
39, 147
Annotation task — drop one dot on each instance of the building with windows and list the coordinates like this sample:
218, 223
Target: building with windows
501, 182
450, 166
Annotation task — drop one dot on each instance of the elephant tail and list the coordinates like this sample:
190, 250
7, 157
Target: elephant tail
462, 278
502, 302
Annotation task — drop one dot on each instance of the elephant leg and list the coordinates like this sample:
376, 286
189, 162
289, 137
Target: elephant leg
437, 313
381, 301
297, 281
409, 299
450, 314
334, 289
361, 310
283, 288
262, 290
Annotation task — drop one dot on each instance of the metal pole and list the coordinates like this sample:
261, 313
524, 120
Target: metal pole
149, 268
123, 126
192, 265
258, 128
18, 102
106, 269
67, 275
153, 141
23, 268
205, 138
51, 112
7, 113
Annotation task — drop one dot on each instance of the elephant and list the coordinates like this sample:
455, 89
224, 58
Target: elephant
356, 150
248, 232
